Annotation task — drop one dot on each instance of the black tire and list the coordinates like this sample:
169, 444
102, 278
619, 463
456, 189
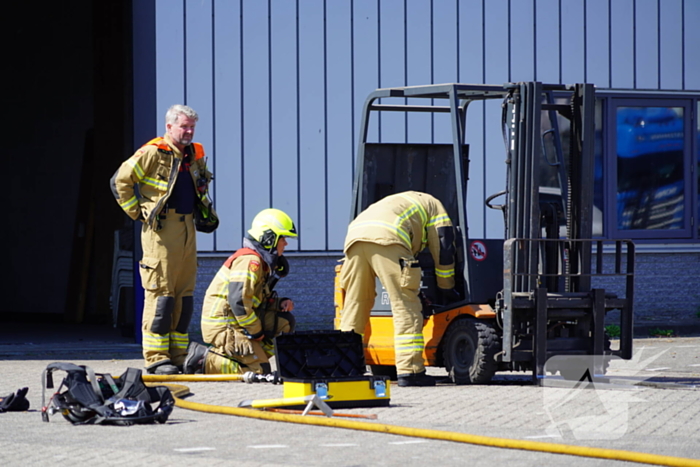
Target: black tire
384, 370
470, 346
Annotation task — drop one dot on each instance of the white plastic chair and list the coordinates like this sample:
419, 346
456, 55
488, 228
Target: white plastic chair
122, 276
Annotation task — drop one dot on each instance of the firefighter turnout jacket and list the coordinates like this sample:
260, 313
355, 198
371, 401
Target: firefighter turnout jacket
154, 170
411, 219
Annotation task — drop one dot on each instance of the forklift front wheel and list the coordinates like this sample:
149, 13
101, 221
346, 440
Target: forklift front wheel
469, 351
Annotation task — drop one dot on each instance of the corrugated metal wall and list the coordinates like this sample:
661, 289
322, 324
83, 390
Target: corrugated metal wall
279, 85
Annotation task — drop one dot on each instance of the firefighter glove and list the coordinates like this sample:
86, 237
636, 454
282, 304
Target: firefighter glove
241, 345
449, 296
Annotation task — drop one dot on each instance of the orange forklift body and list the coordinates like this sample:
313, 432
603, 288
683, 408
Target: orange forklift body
379, 333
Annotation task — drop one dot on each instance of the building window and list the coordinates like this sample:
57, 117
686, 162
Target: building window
648, 166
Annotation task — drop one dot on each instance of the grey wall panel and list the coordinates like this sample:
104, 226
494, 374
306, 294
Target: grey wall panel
522, 41
284, 111
597, 67
671, 44
256, 110
312, 129
199, 83
471, 41
573, 58
445, 62
691, 39
476, 185
471, 70
495, 167
228, 123
622, 44
442, 127
418, 63
547, 41
365, 57
497, 71
392, 72
170, 58
646, 29
340, 118
497, 47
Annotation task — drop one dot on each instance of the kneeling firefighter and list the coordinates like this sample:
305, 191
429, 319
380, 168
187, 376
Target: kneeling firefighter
241, 312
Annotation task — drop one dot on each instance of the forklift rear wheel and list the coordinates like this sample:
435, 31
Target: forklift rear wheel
469, 350
384, 370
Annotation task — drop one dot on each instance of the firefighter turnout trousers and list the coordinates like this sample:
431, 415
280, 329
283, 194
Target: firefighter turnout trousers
217, 359
400, 275
168, 274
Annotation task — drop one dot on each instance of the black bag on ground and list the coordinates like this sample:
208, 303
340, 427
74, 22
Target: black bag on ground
96, 398
15, 402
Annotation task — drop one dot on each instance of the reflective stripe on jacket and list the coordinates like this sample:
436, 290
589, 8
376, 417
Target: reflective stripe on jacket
145, 181
411, 219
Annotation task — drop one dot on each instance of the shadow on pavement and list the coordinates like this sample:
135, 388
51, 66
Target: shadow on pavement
27, 341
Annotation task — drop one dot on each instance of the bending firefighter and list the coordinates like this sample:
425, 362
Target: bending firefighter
164, 185
241, 312
383, 242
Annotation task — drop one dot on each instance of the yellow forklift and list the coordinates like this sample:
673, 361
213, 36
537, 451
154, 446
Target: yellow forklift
545, 288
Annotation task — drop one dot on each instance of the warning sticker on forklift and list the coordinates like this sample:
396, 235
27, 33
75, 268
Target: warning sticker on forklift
478, 250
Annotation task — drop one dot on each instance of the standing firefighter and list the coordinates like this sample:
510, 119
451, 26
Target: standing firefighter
164, 185
241, 313
383, 242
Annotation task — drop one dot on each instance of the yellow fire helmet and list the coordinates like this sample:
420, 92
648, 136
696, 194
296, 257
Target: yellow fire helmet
271, 224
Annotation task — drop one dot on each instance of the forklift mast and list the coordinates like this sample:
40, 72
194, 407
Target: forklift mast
527, 215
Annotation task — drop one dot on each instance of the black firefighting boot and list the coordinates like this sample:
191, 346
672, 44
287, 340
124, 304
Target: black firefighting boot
416, 379
195, 359
163, 368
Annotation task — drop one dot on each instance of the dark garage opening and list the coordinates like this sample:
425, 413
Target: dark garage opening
69, 114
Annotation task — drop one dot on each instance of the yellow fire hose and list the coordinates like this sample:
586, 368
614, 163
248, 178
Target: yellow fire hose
190, 378
180, 391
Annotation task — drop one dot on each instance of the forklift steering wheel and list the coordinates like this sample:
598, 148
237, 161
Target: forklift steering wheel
494, 196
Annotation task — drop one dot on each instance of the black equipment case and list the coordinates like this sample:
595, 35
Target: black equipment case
330, 364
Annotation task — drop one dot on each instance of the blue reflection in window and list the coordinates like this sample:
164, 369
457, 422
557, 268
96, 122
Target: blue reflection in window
650, 185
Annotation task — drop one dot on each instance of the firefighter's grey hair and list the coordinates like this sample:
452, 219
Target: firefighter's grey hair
179, 109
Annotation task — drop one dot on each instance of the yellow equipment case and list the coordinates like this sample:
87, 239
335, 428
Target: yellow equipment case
331, 365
